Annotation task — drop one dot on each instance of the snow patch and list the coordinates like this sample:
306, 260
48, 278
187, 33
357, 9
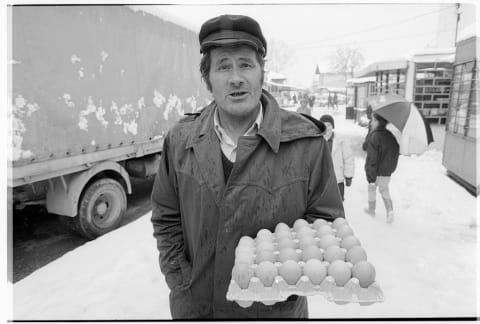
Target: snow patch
91, 109
21, 109
192, 101
74, 59
104, 55
130, 127
173, 103
158, 98
141, 103
68, 100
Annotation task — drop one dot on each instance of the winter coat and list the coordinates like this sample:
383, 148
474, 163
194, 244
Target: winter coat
282, 174
343, 160
382, 154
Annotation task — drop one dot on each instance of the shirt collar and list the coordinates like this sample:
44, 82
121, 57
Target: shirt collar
252, 130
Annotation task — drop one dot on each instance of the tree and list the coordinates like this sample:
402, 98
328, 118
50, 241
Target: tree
346, 60
279, 56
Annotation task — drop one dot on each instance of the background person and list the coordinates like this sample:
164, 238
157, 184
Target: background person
304, 109
239, 165
342, 156
380, 163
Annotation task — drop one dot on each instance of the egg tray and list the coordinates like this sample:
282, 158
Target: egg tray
280, 290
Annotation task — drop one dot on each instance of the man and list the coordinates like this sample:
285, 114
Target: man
380, 163
342, 156
240, 165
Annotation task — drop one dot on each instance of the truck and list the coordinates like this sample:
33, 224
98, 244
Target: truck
93, 90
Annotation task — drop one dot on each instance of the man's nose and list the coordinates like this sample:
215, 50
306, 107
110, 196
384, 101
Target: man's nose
236, 77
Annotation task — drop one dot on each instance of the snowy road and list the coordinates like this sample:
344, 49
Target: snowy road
426, 261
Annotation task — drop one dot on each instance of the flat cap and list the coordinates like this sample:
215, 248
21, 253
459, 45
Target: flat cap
232, 30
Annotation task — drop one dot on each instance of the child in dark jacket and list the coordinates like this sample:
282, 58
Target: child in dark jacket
381, 162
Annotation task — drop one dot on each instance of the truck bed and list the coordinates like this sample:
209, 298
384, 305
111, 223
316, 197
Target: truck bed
95, 82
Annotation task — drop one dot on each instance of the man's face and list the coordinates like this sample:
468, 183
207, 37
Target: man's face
236, 79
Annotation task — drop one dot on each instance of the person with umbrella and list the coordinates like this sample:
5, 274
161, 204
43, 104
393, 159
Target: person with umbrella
380, 163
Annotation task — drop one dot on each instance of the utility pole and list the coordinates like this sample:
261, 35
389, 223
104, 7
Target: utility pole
457, 5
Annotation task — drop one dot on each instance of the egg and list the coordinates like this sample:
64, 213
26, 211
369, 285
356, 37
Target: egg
324, 230
340, 271
349, 241
338, 222
312, 252
244, 257
356, 254
290, 271
241, 274
282, 227
246, 240
344, 231
281, 234
286, 243
288, 254
319, 222
264, 235
364, 272
304, 232
265, 255
264, 246
300, 223
315, 270
333, 253
245, 249
306, 241
266, 272
327, 240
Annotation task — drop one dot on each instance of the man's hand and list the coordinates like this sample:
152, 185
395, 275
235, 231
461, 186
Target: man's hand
348, 182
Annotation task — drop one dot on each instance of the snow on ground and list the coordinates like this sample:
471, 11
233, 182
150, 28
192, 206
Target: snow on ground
426, 261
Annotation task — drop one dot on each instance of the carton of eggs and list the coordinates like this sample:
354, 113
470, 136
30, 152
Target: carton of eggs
323, 258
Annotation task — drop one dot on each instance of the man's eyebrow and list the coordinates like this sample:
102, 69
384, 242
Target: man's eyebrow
222, 60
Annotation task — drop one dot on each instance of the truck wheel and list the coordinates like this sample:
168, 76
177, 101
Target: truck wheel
102, 207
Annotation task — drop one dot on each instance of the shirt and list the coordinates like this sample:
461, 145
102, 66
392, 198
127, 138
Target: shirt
228, 146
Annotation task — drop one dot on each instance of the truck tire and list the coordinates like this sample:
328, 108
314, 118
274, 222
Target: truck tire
102, 208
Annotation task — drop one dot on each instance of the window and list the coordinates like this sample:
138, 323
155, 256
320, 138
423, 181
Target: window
390, 81
432, 88
463, 111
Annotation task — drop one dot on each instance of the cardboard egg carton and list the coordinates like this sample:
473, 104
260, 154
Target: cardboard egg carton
280, 290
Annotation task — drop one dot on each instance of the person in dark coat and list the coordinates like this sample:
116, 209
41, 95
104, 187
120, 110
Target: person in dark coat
240, 165
380, 163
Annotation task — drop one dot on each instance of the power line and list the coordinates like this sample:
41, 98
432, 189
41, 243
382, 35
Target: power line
372, 28
390, 38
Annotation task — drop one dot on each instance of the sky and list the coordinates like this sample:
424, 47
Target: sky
426, 262
314, 31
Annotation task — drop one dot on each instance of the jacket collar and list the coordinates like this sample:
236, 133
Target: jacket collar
270, 128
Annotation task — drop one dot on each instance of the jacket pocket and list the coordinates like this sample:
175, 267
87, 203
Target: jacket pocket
179, 278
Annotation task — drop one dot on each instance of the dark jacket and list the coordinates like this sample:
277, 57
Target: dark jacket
198, 219
382, 154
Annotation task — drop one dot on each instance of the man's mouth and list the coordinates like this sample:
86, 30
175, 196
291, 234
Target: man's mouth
238, 94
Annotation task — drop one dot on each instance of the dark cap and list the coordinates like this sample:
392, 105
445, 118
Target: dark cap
231, 30
327, 119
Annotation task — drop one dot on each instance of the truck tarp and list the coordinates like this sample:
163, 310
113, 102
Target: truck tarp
91, 78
